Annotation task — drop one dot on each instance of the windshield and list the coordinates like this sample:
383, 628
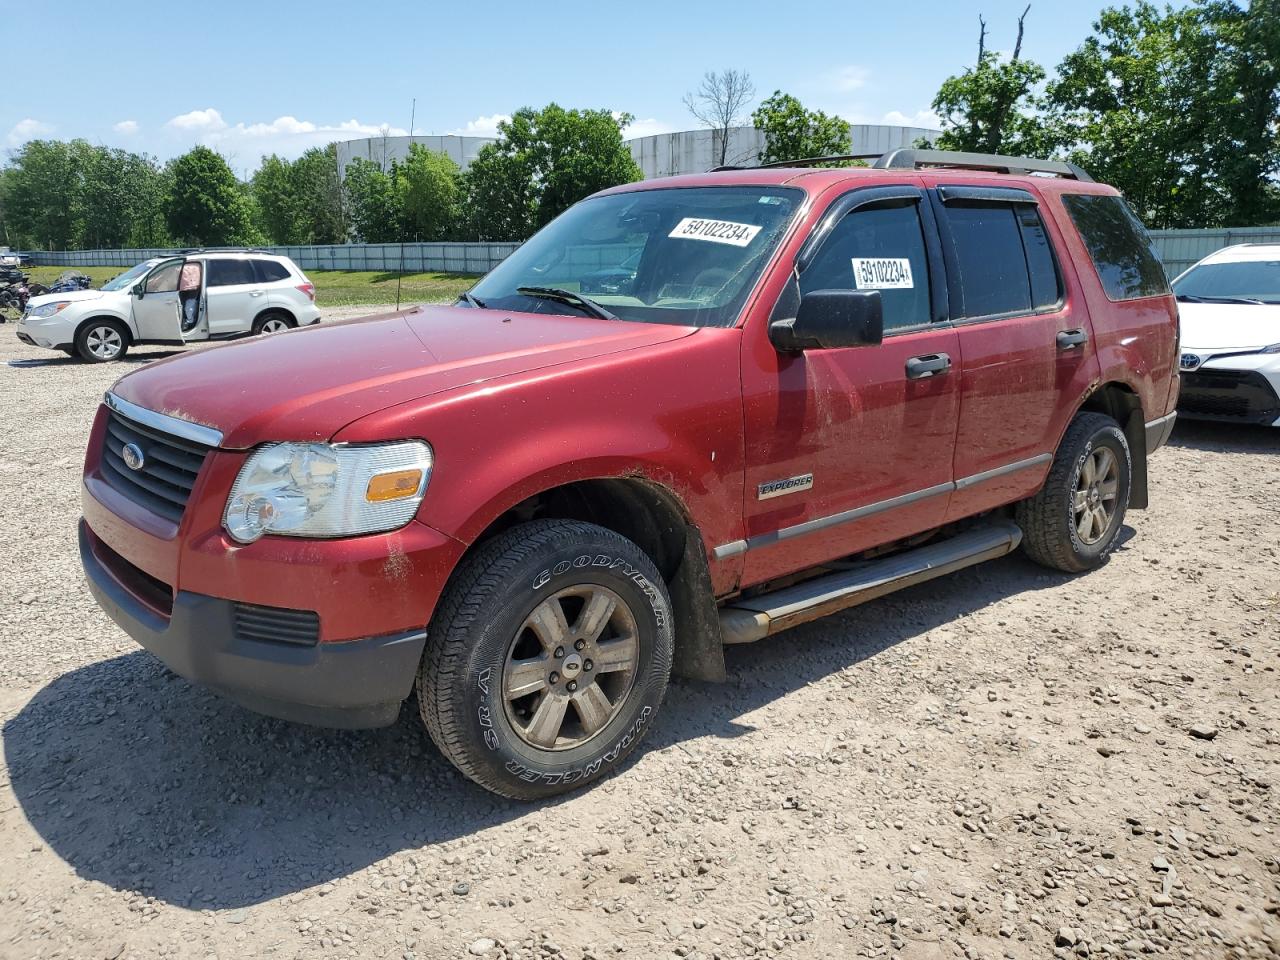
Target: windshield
684, 256
131, 275
1239, 280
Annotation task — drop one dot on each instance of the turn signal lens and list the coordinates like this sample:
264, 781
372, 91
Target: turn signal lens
393, 486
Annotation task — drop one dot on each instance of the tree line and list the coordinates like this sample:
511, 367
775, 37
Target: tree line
1176, 108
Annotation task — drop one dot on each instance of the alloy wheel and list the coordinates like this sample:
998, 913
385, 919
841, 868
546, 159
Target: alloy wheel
570, 667
104, 343
1097, 487
274, 325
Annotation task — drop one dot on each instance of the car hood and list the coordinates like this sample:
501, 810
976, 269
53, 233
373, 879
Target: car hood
71, 295
307, 384
1222, 327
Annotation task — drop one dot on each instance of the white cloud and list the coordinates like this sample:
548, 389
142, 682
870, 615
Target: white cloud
845, 79
921, 118
126, 127
198, 121
646, 128
481, 126
28, 129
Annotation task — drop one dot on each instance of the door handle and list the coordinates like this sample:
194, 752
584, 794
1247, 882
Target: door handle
257, 293
1070, 339
930, 365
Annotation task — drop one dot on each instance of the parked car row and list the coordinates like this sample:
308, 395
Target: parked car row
173, 300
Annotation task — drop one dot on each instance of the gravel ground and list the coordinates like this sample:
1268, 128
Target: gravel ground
1006, 762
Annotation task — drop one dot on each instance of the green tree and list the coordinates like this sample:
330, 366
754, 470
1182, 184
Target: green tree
793, 133
994, 107
316, 184
45, 190
278, 203
543, 162
428, 187
372, 201
1177, 108
206, 205
122, 200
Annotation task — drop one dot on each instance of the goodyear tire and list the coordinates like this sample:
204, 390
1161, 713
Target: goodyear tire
547, 659
1072, 522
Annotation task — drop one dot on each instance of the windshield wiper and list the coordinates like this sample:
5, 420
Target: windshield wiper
1190, 298
471, 301
568, 296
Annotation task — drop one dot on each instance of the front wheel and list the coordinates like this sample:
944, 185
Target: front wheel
547, 658
100, 341
1072, 523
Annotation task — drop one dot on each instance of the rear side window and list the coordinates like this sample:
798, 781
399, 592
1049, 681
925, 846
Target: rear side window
226, 273
269, 271
1118, 245
1005, 264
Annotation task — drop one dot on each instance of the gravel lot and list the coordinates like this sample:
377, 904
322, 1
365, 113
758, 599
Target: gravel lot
1007, 762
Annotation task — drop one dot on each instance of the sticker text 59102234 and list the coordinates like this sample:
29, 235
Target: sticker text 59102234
882, 273
717, 231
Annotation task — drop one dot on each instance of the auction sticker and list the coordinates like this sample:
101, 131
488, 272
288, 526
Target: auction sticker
882, 273
717, 231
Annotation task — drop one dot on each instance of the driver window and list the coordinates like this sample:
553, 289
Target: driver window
877, 247
164, 279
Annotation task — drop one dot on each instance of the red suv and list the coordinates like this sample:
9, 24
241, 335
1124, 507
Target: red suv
799, 389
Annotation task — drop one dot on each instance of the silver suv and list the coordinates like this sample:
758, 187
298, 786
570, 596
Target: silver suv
203, 295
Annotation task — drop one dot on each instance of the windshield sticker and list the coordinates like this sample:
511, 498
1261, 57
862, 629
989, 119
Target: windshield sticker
717, 231
882, 273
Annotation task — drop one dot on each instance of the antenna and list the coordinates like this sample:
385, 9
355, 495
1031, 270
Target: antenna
413, 114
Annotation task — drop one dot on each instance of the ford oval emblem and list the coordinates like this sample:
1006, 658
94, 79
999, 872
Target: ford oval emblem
132, 456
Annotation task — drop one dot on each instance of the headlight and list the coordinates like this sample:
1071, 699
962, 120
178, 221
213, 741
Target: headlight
327, 490
49, 309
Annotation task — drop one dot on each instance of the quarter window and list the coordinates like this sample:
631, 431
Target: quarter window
227, 273
269, 271
879, 247
1118, 245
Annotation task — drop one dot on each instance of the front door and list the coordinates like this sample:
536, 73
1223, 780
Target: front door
852, 448
157, 314
233, 295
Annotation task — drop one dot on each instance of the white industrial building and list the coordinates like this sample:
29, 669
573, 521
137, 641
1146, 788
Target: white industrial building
660, 155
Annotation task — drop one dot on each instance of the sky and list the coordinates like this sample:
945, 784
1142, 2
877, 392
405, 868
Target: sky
250, 79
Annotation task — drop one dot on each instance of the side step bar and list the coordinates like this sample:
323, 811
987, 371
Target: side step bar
745, 621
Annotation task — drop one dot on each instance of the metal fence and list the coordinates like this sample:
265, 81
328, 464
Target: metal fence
1178, 249
386, 257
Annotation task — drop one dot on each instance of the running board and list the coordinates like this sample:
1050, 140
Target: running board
745, 621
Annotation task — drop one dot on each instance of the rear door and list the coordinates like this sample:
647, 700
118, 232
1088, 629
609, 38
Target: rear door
157, 314
1026, 347
234, 295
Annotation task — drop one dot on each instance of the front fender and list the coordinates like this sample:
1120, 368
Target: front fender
671, 413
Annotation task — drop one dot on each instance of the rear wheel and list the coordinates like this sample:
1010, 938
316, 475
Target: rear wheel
273, 322
100, 341
547, 659
1072, 523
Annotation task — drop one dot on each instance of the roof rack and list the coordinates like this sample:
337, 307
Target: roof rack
915, 159
223, 250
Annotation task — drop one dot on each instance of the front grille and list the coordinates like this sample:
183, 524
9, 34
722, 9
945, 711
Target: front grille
169, 465
277, 625
1241, 395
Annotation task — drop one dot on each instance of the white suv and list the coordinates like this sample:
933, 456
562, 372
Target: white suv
203, 295
1229, 303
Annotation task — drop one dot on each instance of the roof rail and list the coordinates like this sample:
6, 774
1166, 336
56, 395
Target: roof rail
915, 159
803, 162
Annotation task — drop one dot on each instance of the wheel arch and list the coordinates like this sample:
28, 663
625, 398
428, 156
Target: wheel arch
123, 321
272, 308
1121, 402
654, 518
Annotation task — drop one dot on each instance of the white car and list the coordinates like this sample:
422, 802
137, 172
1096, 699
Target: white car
203, 295
1230, 345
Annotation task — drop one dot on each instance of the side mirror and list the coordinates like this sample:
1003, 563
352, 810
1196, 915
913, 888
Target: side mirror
829, 319
138, 289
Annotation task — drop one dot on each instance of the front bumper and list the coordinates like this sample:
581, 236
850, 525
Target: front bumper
1239, 389
359, 683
